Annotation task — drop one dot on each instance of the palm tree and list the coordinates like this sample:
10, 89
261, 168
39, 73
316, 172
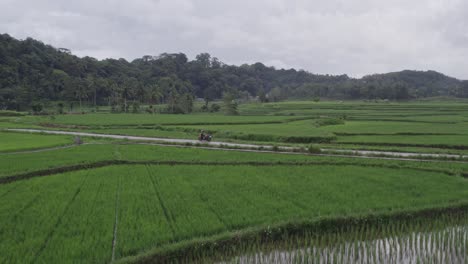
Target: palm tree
154, 93
81, 92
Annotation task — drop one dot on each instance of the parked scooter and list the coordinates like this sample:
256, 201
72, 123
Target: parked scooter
204, 137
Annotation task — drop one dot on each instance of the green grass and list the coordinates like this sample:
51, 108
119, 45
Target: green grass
13, 164
393, 148
17, 122
24, 141
71, 216
390, 127
449, 140
4, 125
355, 108
156, 119
147, 132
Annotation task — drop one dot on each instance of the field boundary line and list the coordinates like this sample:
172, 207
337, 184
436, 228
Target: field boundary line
219, 242
163, 207
98, 191
326, 153
388, 144
39, 149
116, 220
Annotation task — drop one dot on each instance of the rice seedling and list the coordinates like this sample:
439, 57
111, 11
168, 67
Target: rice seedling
443, 239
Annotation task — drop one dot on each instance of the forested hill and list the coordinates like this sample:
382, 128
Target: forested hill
32, 72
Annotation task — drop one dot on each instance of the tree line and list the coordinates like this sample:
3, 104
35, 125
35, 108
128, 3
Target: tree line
33, 73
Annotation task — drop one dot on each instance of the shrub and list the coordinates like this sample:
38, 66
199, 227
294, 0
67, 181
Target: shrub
215, 108
314, 149
230, 104
60, 107
135, 107
114, 108
37, 108
150, 109
329, 122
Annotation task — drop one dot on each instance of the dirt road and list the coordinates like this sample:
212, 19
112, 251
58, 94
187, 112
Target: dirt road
341, 152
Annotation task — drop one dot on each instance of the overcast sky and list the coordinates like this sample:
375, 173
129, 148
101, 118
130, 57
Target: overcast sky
355, 37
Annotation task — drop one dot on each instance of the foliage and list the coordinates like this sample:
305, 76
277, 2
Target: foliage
215, 108
31, 71
135, 107
230, 104
314, 149
150, 109
60, 107
37, 108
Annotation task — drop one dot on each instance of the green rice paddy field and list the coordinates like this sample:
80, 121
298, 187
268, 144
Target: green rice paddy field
73, 215
17, 142
429, 125
118, 201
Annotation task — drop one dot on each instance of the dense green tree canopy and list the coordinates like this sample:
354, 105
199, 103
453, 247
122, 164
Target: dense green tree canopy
32, 72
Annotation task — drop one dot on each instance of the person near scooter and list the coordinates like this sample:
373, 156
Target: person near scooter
202, 135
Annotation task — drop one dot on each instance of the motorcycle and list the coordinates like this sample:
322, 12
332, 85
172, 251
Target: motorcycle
204, 137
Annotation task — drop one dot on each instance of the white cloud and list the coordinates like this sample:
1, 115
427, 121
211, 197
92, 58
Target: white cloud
336, 36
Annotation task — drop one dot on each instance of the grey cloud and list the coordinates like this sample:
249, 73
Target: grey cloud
336, 36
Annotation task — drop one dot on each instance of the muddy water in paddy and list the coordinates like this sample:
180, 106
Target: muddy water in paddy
448, 245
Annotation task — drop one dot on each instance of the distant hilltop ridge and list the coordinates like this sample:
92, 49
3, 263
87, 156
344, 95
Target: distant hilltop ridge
31, 71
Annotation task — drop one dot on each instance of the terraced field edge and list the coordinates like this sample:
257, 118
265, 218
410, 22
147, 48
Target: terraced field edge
105, 163
222, 243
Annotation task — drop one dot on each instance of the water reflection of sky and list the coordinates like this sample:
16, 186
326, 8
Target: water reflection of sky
449, 245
